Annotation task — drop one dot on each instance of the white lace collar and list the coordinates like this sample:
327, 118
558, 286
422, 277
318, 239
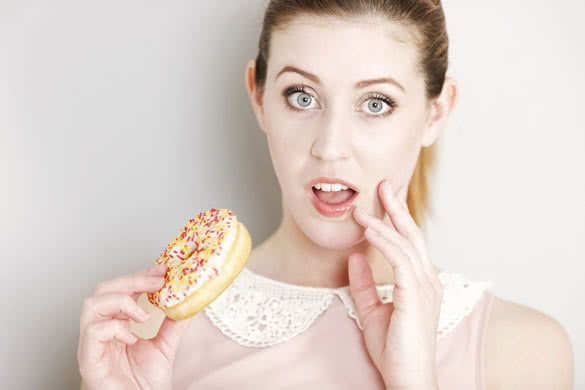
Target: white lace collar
256, 311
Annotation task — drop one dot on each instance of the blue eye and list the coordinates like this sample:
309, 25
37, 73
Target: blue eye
304, 99
376, 103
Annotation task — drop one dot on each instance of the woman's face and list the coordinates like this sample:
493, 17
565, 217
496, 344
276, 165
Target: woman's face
338, 125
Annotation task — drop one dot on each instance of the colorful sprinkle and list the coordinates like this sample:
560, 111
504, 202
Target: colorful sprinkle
189, 254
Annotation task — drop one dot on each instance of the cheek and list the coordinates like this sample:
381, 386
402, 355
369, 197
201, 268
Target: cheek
286, 154
289, 145
288, 151
387, 153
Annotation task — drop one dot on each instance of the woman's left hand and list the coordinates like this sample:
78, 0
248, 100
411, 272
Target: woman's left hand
401, 335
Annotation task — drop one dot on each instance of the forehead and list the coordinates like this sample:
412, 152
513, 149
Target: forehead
338, 49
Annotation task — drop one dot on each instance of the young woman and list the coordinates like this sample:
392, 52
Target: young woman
352, 96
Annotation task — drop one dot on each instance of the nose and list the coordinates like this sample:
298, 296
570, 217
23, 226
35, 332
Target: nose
333, 139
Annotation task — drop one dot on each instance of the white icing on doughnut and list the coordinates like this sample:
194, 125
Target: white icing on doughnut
195, 255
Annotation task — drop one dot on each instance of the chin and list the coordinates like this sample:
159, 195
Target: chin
332, 235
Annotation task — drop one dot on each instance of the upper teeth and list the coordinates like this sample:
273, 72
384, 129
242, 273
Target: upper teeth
330, 187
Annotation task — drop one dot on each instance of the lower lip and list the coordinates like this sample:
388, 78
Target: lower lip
331, 210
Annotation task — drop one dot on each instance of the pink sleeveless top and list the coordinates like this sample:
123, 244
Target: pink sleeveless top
264, 334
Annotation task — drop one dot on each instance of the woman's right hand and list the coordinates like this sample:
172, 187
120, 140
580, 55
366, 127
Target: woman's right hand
112, 357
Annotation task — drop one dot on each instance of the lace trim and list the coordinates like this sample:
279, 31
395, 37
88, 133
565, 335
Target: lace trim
256, 311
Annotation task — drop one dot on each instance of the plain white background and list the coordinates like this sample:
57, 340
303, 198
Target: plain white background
119, 121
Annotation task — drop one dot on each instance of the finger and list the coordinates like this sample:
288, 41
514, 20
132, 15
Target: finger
398, 214
96, 336
157, 269
407, 227
160, 269
169, 335
374, 316
404, 273
131, 284
105, 307
421, 244
388, 232
362, 285
427, 265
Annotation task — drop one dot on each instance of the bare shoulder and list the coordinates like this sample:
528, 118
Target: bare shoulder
526, 349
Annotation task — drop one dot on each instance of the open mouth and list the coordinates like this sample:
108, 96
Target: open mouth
332, 204
334, 197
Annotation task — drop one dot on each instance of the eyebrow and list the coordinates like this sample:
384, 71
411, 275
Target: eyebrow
359, 84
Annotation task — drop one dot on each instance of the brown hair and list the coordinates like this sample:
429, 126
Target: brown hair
426, 21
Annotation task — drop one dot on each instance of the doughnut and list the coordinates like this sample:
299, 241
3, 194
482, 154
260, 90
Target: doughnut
203, 260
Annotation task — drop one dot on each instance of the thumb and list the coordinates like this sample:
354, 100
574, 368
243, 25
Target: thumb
362, 286
169, 335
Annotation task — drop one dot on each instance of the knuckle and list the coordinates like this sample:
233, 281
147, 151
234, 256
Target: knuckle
128, 304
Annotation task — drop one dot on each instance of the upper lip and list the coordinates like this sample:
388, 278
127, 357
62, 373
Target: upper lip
332, 180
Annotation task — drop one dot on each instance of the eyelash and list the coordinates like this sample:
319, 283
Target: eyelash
301, 88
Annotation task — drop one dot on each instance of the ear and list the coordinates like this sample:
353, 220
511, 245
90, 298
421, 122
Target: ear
440, 109
253, 93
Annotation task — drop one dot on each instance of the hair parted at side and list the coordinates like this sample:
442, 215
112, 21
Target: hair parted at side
426, 20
